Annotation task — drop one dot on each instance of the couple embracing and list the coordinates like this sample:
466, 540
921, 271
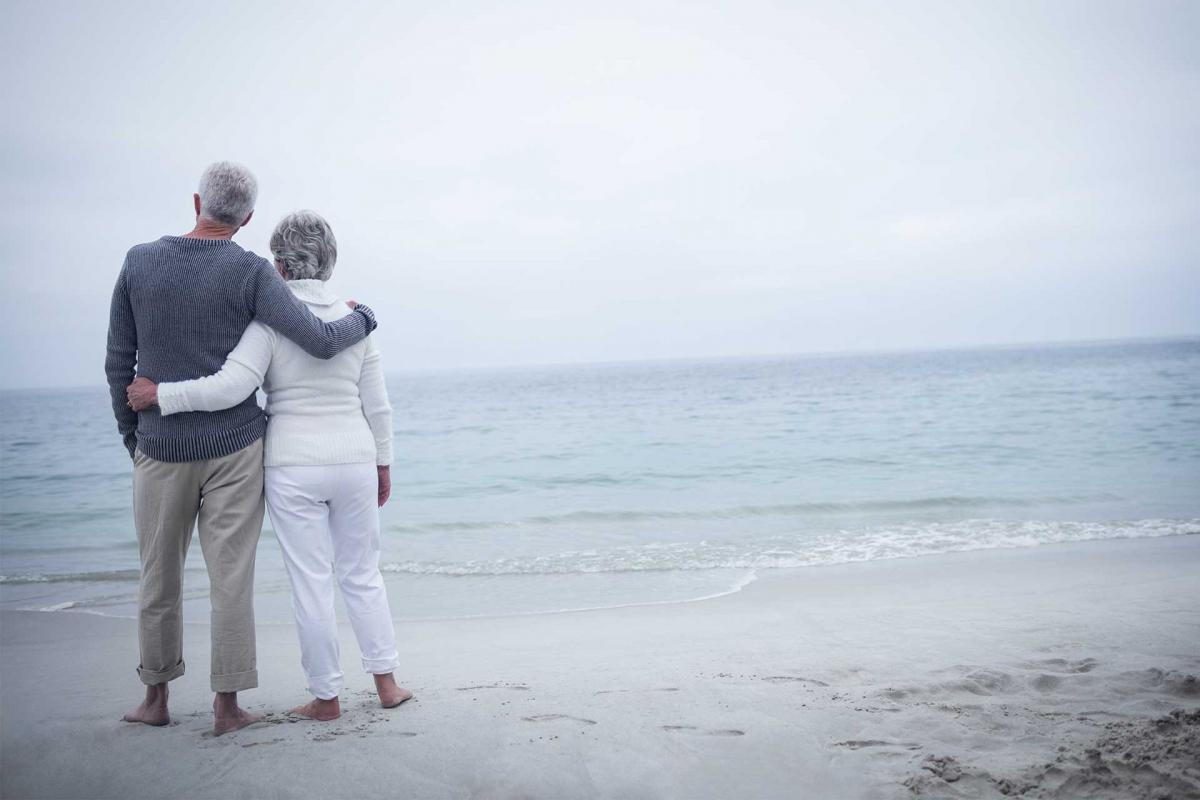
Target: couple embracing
197, 325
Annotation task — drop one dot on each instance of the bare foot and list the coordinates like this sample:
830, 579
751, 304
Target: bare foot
229, 716
153, 710
390, 695
320, 710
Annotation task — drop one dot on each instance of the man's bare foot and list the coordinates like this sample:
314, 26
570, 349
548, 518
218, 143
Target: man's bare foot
390, 695
229, 716
320, 710
153, 710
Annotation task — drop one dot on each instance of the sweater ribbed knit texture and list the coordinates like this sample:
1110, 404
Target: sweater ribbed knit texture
321, 412
178, 308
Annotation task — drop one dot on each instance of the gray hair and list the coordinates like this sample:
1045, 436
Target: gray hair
304, 244
227, 193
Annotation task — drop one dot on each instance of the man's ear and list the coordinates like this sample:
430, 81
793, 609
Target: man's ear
246, 221
196, 203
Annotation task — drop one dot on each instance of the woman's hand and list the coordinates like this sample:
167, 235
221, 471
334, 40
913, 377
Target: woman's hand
385, 484
142, 394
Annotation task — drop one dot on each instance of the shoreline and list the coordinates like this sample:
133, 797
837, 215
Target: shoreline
939, 676
753, 575
71, 607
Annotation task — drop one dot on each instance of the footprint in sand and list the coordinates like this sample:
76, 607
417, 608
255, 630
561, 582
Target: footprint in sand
516, 687
793, 679
692, 729
1063, 665
1046, 683
859, 744
625, 691
553, 717
257, 744
1169, 681
229, 736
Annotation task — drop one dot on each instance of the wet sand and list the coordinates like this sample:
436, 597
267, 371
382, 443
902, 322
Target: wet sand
1055, 671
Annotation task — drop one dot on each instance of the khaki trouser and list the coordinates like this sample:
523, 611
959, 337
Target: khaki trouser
227, 496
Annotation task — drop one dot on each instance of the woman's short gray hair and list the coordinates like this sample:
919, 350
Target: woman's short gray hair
227, 193
303, 243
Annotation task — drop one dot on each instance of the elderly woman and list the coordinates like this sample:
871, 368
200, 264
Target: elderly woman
327, 451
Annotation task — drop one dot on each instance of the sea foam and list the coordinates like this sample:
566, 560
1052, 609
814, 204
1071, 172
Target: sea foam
838, 547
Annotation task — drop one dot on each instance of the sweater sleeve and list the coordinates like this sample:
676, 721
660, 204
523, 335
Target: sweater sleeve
121, 360
271, 303
373, 392
241, 374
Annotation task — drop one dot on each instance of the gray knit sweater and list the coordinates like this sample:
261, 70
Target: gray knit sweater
179, 306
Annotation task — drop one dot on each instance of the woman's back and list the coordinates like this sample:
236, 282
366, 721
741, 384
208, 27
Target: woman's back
314, 406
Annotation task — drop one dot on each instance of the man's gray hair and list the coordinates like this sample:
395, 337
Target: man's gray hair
303, 242
227, 193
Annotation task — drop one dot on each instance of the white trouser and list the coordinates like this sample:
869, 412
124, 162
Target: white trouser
327, 521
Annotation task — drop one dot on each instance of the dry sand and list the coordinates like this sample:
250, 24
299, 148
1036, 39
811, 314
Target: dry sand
1056, 671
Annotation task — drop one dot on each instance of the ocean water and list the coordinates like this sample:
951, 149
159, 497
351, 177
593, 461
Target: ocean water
542, 489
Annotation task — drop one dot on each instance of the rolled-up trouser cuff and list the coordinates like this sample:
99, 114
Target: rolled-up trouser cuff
381, 666
235, 681
152, 677
326, 687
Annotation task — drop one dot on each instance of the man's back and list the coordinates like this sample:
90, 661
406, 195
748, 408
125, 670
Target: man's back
187, 297
179, 306
188, 301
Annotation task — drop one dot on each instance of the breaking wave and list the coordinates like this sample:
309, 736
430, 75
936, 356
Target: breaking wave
893, 541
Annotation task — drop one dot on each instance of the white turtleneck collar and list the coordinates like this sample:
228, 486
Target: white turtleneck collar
314, 291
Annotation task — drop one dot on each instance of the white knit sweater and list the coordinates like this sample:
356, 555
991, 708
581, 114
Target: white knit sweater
319, 412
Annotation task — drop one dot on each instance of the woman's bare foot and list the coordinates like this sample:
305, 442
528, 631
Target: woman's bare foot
390, 695
320, 710
229, 716
153, 710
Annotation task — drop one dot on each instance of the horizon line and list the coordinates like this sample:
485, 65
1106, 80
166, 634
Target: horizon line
1009, 345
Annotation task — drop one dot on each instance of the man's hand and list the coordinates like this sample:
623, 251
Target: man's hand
352, 303
142, 394
385, 484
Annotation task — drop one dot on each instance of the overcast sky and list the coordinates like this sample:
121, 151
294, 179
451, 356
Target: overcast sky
555, 182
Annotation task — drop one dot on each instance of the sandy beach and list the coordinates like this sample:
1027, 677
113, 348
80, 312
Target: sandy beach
1056, 671
718, 401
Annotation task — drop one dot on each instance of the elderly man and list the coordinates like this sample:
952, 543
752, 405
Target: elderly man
179, 307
